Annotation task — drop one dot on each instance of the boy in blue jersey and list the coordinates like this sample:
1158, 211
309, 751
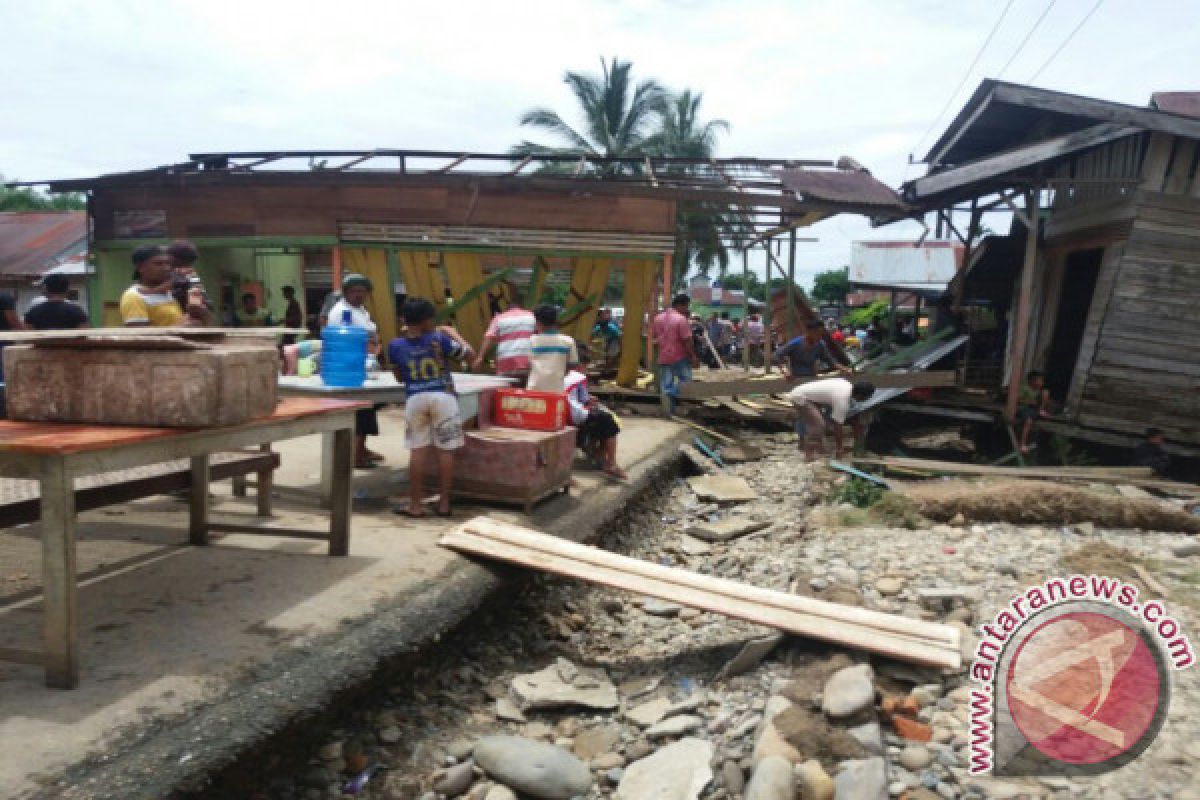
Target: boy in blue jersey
421, 361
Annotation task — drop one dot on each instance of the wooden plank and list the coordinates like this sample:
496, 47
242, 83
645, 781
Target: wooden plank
898, 637
519, 536
720, 437
1110, 265
1158, 156
1029, 473
745, 412
340, 501
994, 166
700, 389
198, 502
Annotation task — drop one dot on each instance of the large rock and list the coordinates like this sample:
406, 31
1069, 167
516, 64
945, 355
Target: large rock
649, 712
533, 768
770, 741
595, 741
673, 726
849, 691
564, 684
815, 783
863, 779
772, 780
726, 529
679, 771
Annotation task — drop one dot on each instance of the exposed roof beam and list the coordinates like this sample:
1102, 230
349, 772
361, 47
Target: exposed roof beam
1101, 110
451, 165
994, 166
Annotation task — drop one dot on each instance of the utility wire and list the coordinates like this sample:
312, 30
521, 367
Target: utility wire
966, 75
1066, 41
1025, 41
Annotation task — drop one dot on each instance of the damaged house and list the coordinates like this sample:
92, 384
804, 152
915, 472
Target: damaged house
1095, 285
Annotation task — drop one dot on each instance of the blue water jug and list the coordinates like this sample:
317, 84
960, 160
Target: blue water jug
344, 354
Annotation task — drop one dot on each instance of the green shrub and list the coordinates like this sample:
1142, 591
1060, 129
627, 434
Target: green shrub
858, 492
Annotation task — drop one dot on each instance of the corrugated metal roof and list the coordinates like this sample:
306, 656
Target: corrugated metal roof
854, 187
31, 242
1183, 103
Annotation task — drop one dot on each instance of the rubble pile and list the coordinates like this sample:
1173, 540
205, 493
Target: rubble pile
597, 694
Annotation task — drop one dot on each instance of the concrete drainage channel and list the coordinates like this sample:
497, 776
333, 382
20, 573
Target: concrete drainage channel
572, 690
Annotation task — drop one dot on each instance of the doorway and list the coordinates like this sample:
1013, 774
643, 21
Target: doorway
1080, 272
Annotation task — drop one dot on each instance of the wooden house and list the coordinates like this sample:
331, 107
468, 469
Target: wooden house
1102, 297
440, 225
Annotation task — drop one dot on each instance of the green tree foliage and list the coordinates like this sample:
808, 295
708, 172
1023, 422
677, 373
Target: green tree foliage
24, 198
861, 317
831, 286
624, 118
618, 115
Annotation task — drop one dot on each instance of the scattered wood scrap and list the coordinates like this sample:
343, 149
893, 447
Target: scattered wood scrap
903, 638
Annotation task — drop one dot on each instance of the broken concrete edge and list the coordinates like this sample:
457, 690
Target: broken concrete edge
169, 753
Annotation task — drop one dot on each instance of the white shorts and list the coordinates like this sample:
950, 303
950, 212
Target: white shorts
432, 419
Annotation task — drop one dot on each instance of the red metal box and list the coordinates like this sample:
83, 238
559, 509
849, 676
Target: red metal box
530, 410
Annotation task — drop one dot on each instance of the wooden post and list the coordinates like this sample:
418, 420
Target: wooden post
667, 291
337, 268
340, 499
60, 625
892, 318
768, 334
1021, 321
745, 309
916, 316
198, 502
791, 286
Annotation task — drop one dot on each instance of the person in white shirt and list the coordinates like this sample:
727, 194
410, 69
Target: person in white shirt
832, 398
551, 353
355, 291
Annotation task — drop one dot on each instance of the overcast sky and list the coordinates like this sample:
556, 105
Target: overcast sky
94, 87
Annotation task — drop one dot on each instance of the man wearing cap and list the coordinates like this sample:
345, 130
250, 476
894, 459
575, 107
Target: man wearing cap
56, 312
355, 290
149, 301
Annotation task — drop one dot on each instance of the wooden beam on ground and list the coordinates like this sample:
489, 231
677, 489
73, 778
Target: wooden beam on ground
1024, 311
1132, 476
698, 390
894, 636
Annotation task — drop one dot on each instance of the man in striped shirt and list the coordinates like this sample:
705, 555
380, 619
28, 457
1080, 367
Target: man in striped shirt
510, 331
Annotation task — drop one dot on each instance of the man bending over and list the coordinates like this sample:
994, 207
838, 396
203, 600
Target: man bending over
832, 398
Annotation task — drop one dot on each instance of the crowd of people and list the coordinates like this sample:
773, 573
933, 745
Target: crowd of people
530, 349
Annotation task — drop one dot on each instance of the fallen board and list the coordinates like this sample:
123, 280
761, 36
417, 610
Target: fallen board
903, 638
702, 389
1116, 475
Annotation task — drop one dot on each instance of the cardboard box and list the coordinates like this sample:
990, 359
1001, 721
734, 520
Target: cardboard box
223, 384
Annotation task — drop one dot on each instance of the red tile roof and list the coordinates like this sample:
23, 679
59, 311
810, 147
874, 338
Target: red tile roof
31, 242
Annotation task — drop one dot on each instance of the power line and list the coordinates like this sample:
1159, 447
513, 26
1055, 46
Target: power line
1025, 41
966, 74
1066, 41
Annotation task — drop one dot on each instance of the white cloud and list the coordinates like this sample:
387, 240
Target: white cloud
127, 84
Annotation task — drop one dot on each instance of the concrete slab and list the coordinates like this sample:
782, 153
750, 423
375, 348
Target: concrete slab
723, 489
191, 654
725, 529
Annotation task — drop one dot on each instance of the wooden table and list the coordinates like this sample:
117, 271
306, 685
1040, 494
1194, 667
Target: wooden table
55, 454
383, 388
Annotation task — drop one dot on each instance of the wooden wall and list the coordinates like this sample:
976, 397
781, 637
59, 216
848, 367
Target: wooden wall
1145, 366
198, 211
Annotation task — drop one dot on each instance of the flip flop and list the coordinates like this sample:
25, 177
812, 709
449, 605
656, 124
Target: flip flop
405, 511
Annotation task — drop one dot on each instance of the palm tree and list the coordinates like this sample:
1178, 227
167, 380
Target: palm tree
621, 119
616, 115
681, 132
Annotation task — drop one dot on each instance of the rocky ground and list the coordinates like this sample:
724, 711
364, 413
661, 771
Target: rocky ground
571, 690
